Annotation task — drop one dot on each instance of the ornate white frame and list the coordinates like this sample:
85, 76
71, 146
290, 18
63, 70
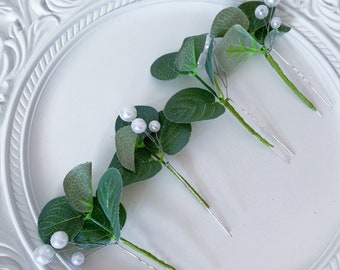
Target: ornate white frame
34, 35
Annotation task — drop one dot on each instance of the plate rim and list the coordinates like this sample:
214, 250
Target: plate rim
29, 79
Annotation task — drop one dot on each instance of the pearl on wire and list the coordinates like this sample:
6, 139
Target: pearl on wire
272, 3
154, 126
261, 12
43, 254
77, 258
276, 22
128, 113
138, 125
59, 239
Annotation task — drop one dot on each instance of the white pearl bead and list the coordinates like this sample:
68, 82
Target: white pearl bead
43, 254
128, 113
59, 239
272, 3
154, 126
77, 258
261, 12
275, 22
138, 125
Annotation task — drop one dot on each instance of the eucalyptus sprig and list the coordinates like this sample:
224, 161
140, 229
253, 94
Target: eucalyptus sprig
81, 221
237, 34
144, 137
264, 29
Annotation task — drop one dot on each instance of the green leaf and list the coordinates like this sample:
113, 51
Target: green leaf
226, 18
164, 67
192, 104
271, 37
146, 167
249, 9
209, 68
146, 112
262, 35
284, 28
125, 146
236, 47
93, 235
59, 215
109, 192
187, 57
122, 216
78, 187
172, 137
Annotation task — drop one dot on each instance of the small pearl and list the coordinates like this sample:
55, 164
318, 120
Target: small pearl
128, 114
154, 126
138, 125
59, 240
77, 258
261, 12
272, 3
275, 22
43, 254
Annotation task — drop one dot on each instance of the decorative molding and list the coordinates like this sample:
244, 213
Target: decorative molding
318, 23
9, 258
25, 25
16, 181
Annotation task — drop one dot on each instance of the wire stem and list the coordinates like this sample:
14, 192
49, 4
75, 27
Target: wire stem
199, 198
145, 253
228, 105
279, 71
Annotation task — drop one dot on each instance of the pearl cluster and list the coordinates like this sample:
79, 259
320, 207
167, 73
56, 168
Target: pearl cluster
261, 12
44, 254
138, 125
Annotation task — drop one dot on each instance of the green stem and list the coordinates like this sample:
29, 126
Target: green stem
185, 182
279, 71
227, 104
146, 253
218, 87
133, 246
209, 88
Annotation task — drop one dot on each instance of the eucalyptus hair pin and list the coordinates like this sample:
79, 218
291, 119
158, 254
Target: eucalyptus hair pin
143, 139
237, 34
198, 104
257, 36
306, 80
82, 222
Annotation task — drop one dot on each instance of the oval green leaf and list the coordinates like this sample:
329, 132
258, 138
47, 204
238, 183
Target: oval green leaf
191, 105
187, 57
78, 187
93, 233
125, 146
236, 47
109, 192
146, 167
227, 18
59, 215
164, 67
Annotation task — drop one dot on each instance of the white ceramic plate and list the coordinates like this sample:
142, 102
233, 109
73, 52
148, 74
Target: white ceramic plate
67, 67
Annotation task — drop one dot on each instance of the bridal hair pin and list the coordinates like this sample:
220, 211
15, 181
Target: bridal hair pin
237, 34
80, 221
274, 28
143, 139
